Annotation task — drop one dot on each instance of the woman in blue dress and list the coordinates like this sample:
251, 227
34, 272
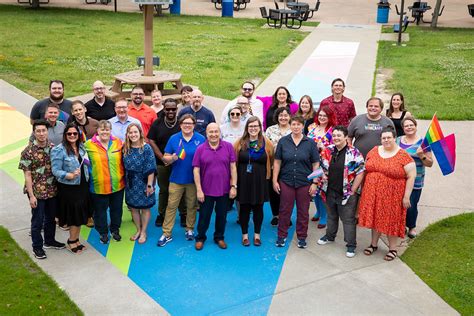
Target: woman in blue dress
140, 165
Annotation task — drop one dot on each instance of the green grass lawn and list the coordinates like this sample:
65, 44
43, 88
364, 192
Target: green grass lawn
81, 46
25, 289
442, 257
435, 71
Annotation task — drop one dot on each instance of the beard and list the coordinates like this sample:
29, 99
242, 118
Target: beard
56, 99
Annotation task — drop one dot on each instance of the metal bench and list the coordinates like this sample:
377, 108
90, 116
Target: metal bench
273, 16
240, 4
316, 8
300, 18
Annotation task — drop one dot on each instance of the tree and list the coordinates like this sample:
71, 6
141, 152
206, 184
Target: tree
434, 20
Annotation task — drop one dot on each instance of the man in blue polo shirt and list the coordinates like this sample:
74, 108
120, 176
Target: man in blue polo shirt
203, 115
179, 153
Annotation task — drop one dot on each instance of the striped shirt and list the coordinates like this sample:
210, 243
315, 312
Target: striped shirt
420, 167
107, 174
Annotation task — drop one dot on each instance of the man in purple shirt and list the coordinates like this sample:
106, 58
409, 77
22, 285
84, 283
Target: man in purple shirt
215, 176
342, 106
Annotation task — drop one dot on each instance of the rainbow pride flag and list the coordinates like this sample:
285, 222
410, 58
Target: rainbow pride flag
433, 134
443, 148
180, 152
445, 153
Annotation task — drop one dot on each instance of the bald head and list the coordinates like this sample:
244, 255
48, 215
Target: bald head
213, 134
99, 91
197, 97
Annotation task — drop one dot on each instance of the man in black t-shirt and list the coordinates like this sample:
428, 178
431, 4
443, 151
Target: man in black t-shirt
160, 132
100, 107
56, 96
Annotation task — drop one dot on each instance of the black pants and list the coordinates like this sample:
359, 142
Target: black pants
274, 199
244, 217
43, 217
205, 212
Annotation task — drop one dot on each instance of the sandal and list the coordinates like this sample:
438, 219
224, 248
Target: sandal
370, 250
142, 239
391, 255
72, 249
135, 237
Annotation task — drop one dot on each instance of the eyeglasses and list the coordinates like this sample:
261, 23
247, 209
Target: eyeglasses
171, 109
254, 126
247, 89
235, 114
99, 88
187, 124
71, 134
243, 104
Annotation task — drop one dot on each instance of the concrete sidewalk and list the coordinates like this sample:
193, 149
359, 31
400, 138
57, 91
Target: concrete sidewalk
318, 280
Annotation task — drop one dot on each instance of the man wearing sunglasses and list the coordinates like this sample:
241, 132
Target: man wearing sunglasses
56, 95
100, 107
254, 105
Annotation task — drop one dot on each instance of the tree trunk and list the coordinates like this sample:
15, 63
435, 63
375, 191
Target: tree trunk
434, 20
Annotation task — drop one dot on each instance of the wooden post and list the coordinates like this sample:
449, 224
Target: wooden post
148, 18
434, 20
400, 23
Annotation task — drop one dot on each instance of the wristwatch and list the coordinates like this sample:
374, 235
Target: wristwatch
149, 186
234, 186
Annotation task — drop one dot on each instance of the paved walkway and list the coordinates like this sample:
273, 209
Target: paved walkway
316, 280
331, 11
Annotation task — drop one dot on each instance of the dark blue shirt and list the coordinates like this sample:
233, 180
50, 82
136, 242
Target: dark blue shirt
203, 117
296, 161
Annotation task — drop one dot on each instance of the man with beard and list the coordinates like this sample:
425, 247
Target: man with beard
160, 132
100, 107
254, 104
140, 110
203, 115
56, 95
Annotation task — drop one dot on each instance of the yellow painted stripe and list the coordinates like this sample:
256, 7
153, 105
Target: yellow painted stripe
120, 253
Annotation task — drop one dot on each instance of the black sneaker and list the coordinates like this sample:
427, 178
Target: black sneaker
54, 245
274, 221
159, 220
104, 239
39, 253
116, 236
182, 220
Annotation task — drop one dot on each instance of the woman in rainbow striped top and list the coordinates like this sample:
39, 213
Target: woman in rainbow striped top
107, 180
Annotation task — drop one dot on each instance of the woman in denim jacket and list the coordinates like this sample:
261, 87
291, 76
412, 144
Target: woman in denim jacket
68, 161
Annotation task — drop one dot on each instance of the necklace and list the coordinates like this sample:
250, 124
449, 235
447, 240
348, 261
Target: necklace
171, 125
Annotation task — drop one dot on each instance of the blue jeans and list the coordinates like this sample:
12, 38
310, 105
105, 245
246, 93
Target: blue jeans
43, 217
220, 204
320, 209
113, 202
412, 212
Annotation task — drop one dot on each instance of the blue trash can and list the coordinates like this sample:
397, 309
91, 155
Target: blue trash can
382, 12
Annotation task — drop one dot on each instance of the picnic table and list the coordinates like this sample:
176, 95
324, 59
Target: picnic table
417, 10
168, 83
298, 6
238, 4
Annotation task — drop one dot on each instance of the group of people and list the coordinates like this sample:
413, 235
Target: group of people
85, 159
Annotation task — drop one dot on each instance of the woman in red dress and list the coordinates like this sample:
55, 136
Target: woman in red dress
390, 175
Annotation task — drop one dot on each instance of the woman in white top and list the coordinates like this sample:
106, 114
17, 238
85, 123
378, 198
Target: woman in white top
233, 130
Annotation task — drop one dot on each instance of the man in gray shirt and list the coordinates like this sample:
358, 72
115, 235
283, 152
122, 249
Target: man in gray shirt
367, 128
56, 127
